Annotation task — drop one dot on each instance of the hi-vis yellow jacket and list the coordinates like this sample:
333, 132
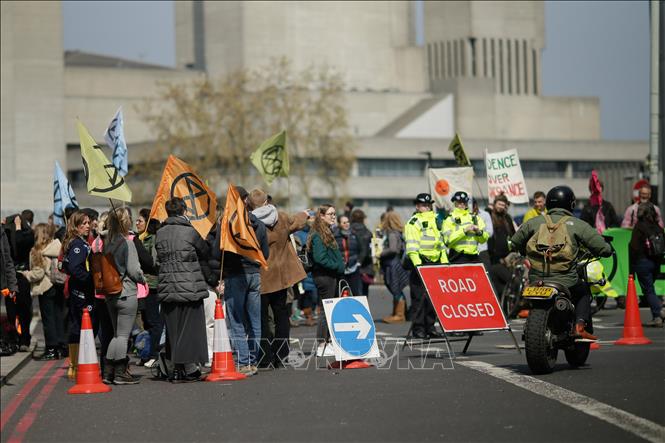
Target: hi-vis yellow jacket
455, 237
423, 239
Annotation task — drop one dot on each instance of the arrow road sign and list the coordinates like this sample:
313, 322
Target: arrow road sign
351, 328
361, 325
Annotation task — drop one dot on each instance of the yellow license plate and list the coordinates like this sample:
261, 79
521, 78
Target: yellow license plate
537, 291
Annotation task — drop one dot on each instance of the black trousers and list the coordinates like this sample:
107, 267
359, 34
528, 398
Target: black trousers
501, 275
274, 349
423, 315
581, 298
326, 287
105, 328
20, 308
459, 258
51, 307
78, 301
152, 321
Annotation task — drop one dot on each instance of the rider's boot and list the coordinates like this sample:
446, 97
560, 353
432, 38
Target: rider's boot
581, 332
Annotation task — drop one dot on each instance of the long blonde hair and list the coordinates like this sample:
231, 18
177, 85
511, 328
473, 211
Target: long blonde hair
43, 238
392, 222
75, 220
322, 228
118, 223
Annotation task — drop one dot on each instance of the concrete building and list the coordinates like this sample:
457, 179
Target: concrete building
477, 73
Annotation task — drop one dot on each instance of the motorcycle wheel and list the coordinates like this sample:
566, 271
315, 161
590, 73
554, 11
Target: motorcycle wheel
540, 353
577, 355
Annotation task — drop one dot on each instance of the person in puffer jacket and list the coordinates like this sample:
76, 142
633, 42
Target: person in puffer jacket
181, 288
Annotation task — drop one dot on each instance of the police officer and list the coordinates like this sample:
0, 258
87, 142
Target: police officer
424, 246
560, 202
463, 231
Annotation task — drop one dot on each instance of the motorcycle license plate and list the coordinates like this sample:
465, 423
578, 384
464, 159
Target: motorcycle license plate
538, 291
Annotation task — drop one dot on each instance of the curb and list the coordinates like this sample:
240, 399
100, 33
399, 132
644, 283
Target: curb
19, 365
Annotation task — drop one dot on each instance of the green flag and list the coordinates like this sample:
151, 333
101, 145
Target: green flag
102, 178
458, 149
272, 158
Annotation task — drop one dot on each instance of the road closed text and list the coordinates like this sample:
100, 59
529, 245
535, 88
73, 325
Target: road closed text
469, 310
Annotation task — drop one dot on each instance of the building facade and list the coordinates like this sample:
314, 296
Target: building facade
477, 72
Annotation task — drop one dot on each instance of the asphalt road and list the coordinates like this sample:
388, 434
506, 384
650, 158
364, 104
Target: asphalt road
418, 395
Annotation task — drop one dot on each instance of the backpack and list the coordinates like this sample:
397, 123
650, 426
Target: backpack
655, 245
105, 274
55, 274
551, 248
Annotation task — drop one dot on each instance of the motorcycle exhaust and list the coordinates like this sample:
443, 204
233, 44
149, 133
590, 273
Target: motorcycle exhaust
563, 304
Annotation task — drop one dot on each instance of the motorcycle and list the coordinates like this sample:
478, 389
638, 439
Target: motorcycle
550, 326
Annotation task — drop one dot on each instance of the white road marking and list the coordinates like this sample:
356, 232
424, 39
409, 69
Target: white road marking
639, 426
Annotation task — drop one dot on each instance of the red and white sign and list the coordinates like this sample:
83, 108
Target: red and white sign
463, 297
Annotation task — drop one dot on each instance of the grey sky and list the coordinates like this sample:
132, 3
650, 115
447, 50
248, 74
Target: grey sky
595, 48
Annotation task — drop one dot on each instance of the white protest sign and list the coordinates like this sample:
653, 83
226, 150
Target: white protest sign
504, 174
444, 182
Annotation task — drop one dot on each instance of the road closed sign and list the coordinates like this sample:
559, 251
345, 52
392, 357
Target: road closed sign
463, 297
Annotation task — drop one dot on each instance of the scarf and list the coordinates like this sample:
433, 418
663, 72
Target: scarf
596, 199
267, 214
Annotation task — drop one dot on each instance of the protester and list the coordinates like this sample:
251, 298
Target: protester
94, 218
462, 231
424, 245
181, 288
76, 263
42, 273
21, 239
644, 261
327, 265
105, 326
503, 229
599, 213
242, 282
538, 207
630, 216
349, 247
284, 270
309, 298
364, 236
149, 306
395, 277
8, 283
122, 307
213, 277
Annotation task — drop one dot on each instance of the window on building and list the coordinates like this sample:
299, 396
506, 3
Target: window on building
526, 70
535, 71
391, 167
517, 68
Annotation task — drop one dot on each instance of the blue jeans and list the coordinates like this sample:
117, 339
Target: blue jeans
646, 271
242, 295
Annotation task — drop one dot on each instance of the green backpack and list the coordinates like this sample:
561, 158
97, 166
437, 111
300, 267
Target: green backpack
551, 249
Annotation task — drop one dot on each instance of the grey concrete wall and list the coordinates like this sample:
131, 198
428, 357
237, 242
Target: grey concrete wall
32, 72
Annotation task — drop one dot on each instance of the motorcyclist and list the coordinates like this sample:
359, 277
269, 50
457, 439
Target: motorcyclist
560, 202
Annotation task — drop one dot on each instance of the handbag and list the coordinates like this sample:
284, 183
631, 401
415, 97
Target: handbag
104, 274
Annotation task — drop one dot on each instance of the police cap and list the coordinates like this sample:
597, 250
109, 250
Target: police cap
460, 196
423, 198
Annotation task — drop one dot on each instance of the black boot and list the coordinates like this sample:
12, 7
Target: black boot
122, 375
108, 371
63, 349
49, 354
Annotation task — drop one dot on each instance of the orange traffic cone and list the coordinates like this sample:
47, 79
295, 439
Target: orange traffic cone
88, 378
594, 346
223, 367
349, 364
633, 334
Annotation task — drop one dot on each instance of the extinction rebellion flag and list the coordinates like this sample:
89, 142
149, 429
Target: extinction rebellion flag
237, 234
63, 196
180, 180
272, 158
101, 176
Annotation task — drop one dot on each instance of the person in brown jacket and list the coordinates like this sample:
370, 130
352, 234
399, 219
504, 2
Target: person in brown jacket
284, 271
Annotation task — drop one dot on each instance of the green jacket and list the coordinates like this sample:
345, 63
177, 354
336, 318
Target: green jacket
581, 234
326, 259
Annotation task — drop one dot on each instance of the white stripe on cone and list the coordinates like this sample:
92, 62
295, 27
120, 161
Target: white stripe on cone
221, 342
87, 351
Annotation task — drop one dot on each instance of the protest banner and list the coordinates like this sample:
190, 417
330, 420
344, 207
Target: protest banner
444, 182
504, 175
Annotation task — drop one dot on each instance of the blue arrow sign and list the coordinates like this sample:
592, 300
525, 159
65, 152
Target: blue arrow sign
352, 327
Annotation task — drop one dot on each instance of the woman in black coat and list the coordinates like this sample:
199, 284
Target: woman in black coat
645, 260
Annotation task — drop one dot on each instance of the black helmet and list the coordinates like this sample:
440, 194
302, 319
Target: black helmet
460, 196
423, 198
560, 197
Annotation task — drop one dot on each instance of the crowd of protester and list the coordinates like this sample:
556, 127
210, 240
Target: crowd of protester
171, 276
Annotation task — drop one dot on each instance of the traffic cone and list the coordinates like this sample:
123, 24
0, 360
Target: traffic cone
633, 334
349, 364
88, 378
594, 346
223, 366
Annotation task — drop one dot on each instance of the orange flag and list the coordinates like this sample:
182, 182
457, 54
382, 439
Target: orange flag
180, 180
237, 234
